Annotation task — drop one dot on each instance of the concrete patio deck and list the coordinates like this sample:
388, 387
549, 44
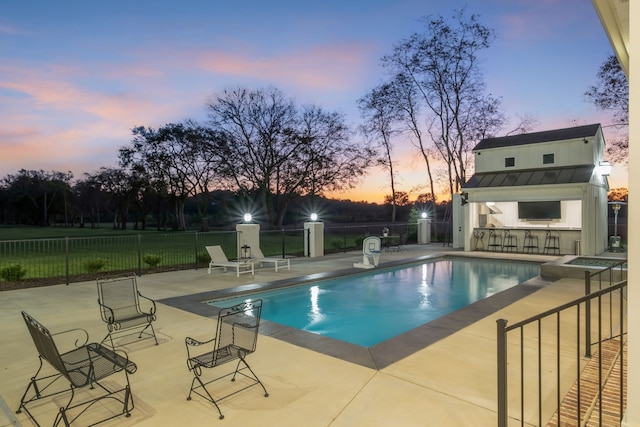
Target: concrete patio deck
449, 382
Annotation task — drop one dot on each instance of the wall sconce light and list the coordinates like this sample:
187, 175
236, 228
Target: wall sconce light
464, 198
314, 217
247, 217
604, 168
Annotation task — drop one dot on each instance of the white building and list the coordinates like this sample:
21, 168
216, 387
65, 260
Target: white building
543, 183
621, 22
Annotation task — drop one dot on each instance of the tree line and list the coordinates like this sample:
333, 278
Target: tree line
261, 152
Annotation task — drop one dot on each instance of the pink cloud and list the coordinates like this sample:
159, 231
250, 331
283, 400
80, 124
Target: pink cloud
541, 19
320, 67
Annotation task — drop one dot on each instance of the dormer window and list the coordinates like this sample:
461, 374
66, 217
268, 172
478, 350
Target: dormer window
509, 162
548, 159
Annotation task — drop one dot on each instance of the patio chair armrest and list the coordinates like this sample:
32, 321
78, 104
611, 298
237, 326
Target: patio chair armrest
111, 317
153, 303
66, 336
194, 342
117, 357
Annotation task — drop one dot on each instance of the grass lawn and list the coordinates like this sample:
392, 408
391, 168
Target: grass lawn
70, 254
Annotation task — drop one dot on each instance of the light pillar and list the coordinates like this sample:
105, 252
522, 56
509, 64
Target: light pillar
424, 231
314, 239
248, 235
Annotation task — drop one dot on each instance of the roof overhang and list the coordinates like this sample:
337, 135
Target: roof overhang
614, 16
531, 177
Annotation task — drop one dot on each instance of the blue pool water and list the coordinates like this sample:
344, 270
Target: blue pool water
369, 308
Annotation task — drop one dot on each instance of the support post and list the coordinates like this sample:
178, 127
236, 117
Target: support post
502, 373
587, 314
283, 245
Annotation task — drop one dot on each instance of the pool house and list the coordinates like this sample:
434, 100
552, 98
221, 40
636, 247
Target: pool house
541, 192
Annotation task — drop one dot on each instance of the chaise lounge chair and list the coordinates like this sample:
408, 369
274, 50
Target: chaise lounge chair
219, 260
261, 259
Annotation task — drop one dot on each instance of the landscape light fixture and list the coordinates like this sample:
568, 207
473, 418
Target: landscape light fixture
247, 217
605, 168
314, 217
423, 215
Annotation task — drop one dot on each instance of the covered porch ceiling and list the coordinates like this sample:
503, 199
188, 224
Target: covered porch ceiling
614, 15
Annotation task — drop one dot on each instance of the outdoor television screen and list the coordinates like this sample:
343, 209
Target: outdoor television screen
539, 210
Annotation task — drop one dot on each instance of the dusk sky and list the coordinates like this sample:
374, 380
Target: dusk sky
77, 76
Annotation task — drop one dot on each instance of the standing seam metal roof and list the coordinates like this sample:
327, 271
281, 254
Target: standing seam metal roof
564, 175
538, 137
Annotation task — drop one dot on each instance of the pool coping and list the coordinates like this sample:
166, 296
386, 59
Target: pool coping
380, 355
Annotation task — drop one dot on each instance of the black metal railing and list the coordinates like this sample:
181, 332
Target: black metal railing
552, 344
74, 259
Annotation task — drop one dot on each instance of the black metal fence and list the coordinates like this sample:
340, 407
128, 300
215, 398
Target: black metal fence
74, 259
547, 353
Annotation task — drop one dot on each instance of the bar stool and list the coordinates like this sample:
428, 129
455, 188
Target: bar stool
479, 243
510, 242
530, 243
552, 242
495, 240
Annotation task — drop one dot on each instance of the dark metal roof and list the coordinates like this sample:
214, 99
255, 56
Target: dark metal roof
565, 175
537, 137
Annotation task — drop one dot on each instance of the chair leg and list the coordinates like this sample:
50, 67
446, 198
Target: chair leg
153, 332
36, 390
113, 347
62, 413
208, 396
255, 377
128, 397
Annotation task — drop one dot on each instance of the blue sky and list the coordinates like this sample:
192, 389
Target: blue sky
76, 76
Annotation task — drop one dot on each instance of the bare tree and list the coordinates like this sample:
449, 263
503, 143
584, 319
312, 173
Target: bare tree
442, 63
611, 94
275, 151
407, 101
333, 162
380, 115
526, 123
183, 157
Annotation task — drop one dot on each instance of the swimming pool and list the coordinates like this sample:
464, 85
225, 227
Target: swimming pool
369, 308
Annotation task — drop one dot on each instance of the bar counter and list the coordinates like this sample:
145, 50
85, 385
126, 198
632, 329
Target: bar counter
543, 240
